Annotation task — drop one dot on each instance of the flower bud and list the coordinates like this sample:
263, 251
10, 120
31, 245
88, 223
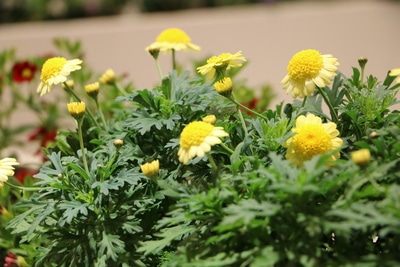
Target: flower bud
118, 143
150, 169
76, 109
92, 89
362, 61
361, 157
210, 119
108, 77
224, 86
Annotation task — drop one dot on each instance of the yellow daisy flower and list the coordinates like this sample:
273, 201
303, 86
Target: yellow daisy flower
56, 70
173, 39
197, 138
150, 169
312, 137
306, 69
224, 61
6, 169
395, 72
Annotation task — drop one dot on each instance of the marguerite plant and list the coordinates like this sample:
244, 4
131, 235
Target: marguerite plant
178, 175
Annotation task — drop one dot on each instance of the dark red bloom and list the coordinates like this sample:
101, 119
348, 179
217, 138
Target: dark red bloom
22, 173
23, 71
45, 136
13, 260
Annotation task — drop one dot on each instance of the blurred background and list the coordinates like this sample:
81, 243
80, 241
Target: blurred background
114, 33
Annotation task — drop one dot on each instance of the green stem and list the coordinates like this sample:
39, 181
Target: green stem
159, 69
242, 121
173, 60
334, 115
304, 102
119, 88
23, 188
81, 145
248, 109
226, 148
101, 114
212, 162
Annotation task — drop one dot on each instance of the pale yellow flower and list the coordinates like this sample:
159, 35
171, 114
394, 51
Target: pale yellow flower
361, 157
6, 169
222, 62
312, 137
224, 85
197, 138
56, 70
150, 169
395, 72
307, 69
76, 109
172, 39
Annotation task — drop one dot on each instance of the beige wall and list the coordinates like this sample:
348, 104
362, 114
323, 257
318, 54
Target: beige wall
268, 36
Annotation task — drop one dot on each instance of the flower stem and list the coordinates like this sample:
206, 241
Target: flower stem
226, 148
333, 112
304, 102
173, 60
212, 162
159, 69
23, 188
248, 109
101, 114
82, 146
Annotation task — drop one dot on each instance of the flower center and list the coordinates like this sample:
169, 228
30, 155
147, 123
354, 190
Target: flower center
195, 133
305, 65
52, 67
26, 73
311, 140
173, 35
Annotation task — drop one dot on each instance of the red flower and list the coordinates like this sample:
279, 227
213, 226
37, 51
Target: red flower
23, 71
22, 173
45, 136
13, 260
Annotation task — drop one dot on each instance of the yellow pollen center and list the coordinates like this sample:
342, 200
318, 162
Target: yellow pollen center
311, 140
173, 35
195, 133
52, 67
26, 73
305, 65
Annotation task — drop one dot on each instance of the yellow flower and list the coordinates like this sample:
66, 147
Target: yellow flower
306, 69
223, 86
395, 72
150, 169
172, 39
6, 169
76, 109
56, 70
92, 89
361, 157
312, 137
222, 62
197, 138
108, 77
210, 119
